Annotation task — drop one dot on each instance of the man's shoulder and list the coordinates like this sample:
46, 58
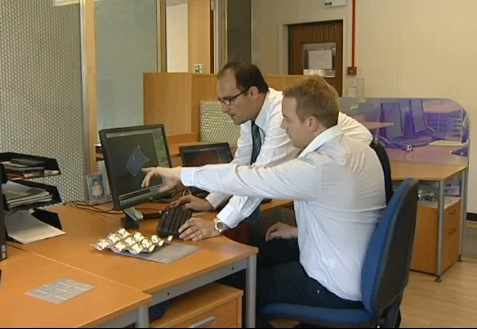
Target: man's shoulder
344, 146
354, 145
274, 98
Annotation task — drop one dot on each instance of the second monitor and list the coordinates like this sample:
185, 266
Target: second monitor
204, 154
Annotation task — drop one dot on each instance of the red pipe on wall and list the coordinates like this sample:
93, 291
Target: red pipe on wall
353, 70
354, 35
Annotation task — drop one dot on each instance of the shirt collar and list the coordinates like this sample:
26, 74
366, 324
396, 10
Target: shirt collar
322, 139
262, 118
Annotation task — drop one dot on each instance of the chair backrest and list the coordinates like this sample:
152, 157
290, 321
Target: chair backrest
384, 159
386, 267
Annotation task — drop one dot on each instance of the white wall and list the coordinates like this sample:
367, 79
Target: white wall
177, 38
406, 48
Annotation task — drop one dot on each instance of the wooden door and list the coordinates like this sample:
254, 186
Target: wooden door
200, 36
303, 37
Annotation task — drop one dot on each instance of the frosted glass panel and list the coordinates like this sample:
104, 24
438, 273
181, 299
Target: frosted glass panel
126, 41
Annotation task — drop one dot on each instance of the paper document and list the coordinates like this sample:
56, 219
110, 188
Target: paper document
61, 291
20, 195
320, 59
24, 228
167, 255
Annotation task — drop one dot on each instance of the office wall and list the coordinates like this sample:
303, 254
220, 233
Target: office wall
126, 47
406, 48
177, 38
40, 87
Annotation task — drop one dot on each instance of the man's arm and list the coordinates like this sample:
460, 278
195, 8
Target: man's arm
276, 148
297, 179
354, 129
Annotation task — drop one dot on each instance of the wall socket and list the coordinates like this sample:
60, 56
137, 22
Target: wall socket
352, 70
334, 3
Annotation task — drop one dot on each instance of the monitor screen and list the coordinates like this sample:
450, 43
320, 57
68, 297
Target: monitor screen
417, 111
205, 154
201, 155
126, 152
391, 112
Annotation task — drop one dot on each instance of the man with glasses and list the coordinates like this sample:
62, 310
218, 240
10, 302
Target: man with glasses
250, 103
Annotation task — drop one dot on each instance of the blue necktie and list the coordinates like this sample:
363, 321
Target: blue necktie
256, 142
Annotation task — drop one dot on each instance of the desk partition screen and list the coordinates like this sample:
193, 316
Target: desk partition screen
3, 242
40, 87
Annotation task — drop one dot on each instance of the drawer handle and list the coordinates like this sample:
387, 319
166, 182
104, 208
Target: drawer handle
204, 323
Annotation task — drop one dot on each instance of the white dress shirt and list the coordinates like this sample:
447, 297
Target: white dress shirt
338, 186
276, 148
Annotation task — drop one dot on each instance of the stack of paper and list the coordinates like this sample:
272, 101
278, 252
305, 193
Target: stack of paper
21, 195
25, 228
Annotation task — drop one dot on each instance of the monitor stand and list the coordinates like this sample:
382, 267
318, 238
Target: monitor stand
132, 219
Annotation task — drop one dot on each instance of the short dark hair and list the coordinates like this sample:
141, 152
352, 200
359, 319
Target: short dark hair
246, 75
315, 97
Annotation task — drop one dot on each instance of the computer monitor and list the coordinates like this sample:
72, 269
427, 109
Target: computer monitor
126, 152
204, 154
391, 112
418, 117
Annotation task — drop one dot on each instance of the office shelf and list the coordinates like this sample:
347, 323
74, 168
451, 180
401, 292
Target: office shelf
44, 167
49, 167
53, 190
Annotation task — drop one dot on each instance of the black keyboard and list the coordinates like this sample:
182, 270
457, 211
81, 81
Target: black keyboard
171, 220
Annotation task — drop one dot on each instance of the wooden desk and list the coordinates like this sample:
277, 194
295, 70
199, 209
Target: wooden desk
216, 259
377, 125
275, 204
424, 171
440, 167
438, 106
108, 304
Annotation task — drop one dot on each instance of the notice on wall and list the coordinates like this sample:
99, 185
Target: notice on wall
320, 59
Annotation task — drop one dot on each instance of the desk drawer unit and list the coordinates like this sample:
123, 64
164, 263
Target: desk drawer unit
214, 306
426, 243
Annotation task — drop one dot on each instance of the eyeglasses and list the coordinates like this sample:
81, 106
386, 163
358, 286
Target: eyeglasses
228, 100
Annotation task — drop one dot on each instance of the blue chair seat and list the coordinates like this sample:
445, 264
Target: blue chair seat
323, 317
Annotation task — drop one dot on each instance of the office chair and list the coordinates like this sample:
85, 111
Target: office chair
384, 277
384, 159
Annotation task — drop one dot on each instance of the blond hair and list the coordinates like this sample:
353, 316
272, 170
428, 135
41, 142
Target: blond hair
315, 97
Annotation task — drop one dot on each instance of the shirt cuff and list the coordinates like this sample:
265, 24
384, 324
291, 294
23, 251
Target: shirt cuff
187, 176
216, 199
230, 217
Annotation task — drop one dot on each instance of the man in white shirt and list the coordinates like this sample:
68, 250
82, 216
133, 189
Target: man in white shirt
250, 103
338, 186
